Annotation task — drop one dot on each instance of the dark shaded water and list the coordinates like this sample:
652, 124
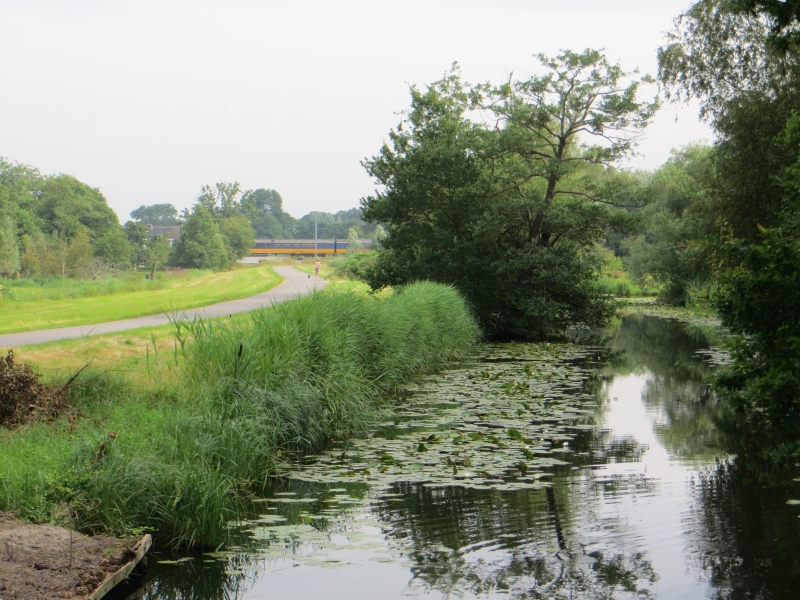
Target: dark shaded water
516, 478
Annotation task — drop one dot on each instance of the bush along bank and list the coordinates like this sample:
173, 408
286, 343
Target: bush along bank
184, 460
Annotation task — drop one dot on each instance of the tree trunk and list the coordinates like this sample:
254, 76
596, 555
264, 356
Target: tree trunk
535, 226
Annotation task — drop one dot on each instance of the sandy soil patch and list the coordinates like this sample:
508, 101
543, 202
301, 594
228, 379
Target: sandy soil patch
41, 562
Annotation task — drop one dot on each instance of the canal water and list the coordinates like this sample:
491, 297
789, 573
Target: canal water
535, 471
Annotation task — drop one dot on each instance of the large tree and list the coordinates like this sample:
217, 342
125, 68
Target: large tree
66, 205
202, 245
583, 110
510, 213
265, 210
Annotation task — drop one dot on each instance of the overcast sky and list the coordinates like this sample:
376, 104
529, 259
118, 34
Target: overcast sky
148, 100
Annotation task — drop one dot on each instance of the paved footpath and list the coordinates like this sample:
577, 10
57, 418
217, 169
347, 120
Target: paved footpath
295, 284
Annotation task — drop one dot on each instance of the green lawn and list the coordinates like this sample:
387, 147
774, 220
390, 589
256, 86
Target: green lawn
178, 294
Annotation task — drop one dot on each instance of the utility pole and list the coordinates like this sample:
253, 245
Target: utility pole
315, 238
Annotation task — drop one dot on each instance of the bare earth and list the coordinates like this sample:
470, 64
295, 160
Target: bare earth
41, 562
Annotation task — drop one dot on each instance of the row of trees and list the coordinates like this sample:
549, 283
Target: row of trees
741, 59
222, 225
264, 210
55, 225
59, 226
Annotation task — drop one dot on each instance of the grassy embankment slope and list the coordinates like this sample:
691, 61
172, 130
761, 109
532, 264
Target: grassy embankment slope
65, 303
194, 440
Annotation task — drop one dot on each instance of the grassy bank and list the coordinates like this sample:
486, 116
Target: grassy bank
65, 303
181, 454
140, 355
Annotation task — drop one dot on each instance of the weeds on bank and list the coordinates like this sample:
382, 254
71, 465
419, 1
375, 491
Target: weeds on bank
181, 455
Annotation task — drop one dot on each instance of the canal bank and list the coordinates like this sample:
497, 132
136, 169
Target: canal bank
182, 453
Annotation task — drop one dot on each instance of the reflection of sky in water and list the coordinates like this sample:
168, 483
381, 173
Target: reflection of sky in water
650, 501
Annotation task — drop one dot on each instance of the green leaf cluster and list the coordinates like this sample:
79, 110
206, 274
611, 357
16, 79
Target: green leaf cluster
741, 60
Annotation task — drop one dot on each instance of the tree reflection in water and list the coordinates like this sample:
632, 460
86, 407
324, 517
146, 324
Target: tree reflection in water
470, 542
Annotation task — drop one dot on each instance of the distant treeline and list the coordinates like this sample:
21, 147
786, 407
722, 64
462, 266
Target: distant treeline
58, 226
264, 209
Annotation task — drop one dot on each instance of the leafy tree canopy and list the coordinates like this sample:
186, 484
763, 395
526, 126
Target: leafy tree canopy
332, 225
717, 52
674, 220
224, 199
202, 245
740, 59
58, 214
238, 234
156, 214
511, 213
9, 248
265, 210
158, 251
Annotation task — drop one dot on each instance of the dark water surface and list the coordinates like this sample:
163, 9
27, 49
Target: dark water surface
539, 471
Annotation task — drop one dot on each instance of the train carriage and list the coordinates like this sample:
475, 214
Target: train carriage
263, 247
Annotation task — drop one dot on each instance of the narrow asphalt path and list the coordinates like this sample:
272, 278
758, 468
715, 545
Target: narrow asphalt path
295, 284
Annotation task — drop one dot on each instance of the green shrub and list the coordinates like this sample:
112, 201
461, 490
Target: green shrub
623, 288
355, 266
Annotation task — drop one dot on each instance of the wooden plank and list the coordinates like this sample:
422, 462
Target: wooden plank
114, 579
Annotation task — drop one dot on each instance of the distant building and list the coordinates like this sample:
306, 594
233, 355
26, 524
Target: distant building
173, 232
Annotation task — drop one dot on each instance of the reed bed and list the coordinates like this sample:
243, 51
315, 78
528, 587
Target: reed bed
184, 457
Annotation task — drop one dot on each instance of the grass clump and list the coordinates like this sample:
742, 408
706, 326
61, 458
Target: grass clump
182, 457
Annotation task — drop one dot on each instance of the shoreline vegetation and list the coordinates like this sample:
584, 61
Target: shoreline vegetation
182, 451
31, 304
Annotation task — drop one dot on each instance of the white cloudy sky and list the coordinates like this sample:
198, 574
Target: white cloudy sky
147, 100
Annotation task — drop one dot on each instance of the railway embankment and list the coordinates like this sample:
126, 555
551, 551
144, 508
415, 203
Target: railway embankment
183, 452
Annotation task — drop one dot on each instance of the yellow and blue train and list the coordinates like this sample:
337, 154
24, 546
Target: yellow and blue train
304, 247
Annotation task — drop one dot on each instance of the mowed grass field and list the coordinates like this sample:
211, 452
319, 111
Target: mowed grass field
177, 293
